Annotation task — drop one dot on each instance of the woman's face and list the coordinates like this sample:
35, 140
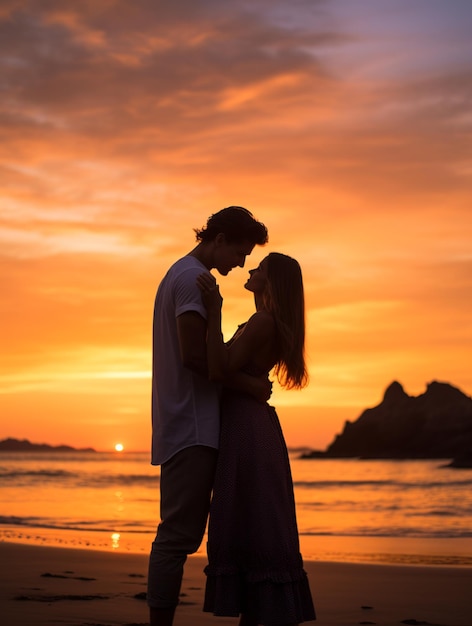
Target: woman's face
258, 278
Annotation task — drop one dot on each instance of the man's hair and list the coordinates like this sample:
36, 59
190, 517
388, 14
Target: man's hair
237, 224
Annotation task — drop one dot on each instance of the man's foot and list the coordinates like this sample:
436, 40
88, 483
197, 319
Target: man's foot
161, 617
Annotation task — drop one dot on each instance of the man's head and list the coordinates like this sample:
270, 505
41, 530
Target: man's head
230, 235
237, 224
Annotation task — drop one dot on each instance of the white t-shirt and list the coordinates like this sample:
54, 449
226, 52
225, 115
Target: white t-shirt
185, 406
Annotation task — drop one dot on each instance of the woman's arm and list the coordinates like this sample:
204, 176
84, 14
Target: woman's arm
225, 362
217, 356
260, 387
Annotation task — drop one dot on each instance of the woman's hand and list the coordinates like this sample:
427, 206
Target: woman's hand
210, 292
216, 352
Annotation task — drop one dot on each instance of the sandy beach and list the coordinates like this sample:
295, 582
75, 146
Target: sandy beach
49, 585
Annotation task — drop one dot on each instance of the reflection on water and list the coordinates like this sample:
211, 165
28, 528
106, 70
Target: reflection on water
387, 511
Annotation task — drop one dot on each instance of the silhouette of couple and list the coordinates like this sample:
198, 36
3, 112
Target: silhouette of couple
218, 442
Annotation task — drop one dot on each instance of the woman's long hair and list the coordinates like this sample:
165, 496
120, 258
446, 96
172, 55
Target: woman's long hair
284, 298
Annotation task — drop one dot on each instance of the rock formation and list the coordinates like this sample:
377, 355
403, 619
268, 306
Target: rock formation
436, 424
23, 445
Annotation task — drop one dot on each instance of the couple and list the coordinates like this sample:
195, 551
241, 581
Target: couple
255, 569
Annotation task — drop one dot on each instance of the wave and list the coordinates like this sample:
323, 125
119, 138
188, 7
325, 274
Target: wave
15, 474
102, 526
330, 484
399, 532
78, 479
136, 527
101, 480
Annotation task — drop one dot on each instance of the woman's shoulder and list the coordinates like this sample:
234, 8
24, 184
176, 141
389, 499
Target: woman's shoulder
262, 315
261, 320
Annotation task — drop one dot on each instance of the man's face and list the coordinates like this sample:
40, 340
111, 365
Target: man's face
229, 255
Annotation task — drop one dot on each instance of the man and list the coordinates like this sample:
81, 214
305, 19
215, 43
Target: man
185, 404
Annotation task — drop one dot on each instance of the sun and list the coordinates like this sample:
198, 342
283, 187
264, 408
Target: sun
119, 447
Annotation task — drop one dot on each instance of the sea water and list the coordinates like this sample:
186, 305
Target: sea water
415, 512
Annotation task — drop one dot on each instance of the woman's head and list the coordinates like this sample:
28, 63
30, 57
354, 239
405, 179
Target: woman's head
279, 280
284, 280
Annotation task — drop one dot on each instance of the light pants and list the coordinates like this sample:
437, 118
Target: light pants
186, 485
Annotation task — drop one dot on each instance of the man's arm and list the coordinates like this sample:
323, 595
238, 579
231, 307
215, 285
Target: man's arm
192, 331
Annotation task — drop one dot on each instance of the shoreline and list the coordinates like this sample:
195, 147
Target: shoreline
407, 551
45, 585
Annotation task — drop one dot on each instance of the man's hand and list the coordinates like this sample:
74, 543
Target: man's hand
262, 388
259, 387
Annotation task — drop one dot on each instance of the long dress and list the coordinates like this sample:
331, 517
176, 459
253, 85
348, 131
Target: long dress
254, 563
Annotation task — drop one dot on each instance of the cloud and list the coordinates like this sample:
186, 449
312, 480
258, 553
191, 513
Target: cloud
193, 87
343, 126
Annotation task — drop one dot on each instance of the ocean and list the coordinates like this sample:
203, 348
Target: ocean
406, 512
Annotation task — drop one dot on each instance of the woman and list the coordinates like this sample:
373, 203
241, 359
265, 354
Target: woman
255, 569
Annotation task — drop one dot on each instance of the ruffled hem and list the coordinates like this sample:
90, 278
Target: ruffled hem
268, 597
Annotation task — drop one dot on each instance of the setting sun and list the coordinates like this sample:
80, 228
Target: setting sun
119, 447
344, 132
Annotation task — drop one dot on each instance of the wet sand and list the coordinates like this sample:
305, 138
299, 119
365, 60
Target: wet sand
77, 587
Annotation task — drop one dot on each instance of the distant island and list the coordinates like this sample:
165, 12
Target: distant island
434, 425
23, 445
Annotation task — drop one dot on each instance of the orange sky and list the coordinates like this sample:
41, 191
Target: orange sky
345, 127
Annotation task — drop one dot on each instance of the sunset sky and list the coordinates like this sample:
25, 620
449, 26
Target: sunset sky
343, 125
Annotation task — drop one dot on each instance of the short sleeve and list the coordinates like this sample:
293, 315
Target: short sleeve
187, 294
